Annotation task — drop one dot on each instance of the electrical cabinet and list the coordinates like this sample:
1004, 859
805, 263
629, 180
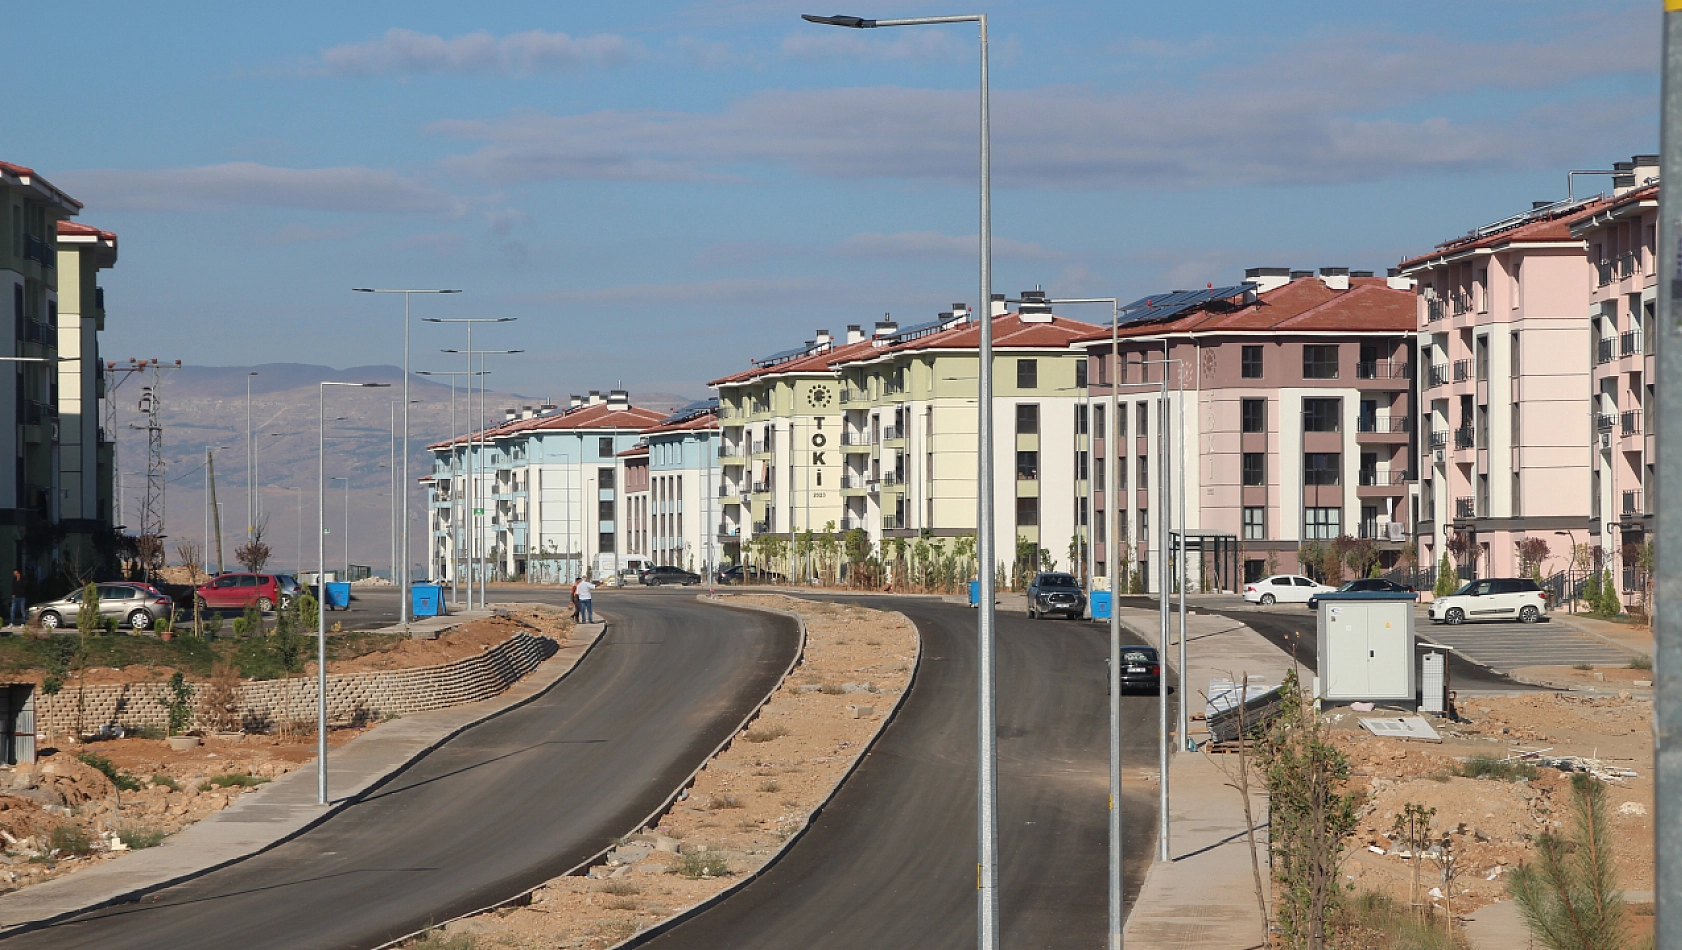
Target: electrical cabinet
1366, 647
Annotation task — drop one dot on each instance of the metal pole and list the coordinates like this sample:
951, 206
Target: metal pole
987, 909
468, 522
1180, 475
321, 607
403, 480
250, 453
1112, 502
455, 488
1164, 585
393, 499
1667, 694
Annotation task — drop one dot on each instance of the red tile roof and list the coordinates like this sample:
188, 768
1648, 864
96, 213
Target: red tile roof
820, 362
1546, 229
635, 451
1611, 207
78, 229
1009, 332
599, 417
21, 171
707, 420
1306, 304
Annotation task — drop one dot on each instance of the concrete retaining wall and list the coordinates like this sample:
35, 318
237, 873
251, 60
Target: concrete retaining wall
278, 703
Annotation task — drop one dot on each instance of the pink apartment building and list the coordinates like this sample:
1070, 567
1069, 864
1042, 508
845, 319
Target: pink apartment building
1298, 410
1507, 317
1620, 236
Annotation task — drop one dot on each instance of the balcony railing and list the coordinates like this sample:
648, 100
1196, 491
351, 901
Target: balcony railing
1462, 302
890, 433
1632, 503
1435, 438
1383, 369
1436, 375
728, 530
890, 522
1603, 350
760, 488
1464, 507
1462, 370
855, 438
758, 448
893, 387
1625, 265
853, 395
853, 480
1433, 310
762, 527
1629, 422
889, 479
1603, 273
37, 250
1465, 437
1384, 423
1629, 343
1603, 421
1383, 531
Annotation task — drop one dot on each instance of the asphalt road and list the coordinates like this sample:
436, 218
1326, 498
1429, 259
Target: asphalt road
891, 862
506, 805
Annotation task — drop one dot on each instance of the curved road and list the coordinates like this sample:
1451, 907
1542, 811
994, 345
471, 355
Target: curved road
500, 808
890, 863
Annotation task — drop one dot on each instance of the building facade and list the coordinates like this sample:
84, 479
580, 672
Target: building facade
683, 494
86, 452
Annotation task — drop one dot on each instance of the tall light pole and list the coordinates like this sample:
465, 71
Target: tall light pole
455, 484
987, 832
346, 480
321, 590
403, 496
1667, 658
468, 493
250, 465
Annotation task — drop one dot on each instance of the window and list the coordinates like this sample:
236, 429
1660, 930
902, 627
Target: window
1027, 511
1027, 419
1144, 421
1144, 473
1120, 423
1255, 468
1250, 362
1321, 415
604, 510
1255, 524
1144, 525
1080, 374
604, 447
1321, 468
1098, 418
1254, 415
604, 478
1080, 420
1098, 472
604, 542
1080, 466
1321, 524
1319, 361
1027, 466
1027, 374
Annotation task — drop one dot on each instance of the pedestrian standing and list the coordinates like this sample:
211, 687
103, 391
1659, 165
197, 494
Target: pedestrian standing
572, 595
586, 612
20, 603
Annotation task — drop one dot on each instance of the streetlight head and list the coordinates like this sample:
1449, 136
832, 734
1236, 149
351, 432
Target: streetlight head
363, 290
857, 23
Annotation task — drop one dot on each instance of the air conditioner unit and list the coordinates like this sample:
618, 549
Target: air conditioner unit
1439, 456
1605, 440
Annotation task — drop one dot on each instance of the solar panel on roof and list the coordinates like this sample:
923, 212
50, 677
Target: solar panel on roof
918, 331
782, 357
1165, 306
690, 411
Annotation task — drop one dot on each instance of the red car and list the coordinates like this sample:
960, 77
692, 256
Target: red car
238, 591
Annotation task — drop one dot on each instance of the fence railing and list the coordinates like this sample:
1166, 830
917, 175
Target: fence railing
1465, 437
1465, 507
1631, 503
1384, 423
1462, 370
1603, 421
1383, 369
1603, 350
1629, 422
1436, 375
1629, 343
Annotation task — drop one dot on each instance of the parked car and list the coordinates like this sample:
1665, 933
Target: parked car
667, 574
1492, 598
289, 589
1053, 592
238, 591
749, 574
1365, 584
138, 605
1139, 668
1283, 589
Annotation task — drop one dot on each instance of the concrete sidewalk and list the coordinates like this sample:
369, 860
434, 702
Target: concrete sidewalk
282, 809
1204, 895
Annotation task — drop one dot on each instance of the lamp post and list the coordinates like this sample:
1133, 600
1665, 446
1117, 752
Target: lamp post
250, 465
987, 832
346, 480
468, 494
321, 587
454, 567
403, 504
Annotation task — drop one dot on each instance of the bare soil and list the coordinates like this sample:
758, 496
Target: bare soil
747, 801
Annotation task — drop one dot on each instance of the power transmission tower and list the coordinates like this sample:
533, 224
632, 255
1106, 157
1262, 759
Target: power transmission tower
151, 533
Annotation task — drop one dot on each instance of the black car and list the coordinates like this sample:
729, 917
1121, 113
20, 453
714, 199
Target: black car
1139, 668
749, 575
1366, 584
1055, 593
666, 574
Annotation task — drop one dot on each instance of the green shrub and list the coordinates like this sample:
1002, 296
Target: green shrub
1488, 766
166, 782
233, 780
695, 864
139, 837
1448, 580
1642, 662
127, 783
1582, 666
69, 840
179, 705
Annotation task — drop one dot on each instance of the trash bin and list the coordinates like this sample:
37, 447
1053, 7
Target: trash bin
426, 600
1100, 605
974, 593
338, 595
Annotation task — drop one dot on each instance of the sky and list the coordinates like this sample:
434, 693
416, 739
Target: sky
660, 191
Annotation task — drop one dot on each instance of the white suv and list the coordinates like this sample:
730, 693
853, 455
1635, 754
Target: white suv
1494, 598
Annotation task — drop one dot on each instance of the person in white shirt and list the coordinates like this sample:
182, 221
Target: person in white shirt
585, 601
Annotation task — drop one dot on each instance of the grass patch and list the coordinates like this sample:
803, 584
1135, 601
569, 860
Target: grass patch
1642, 662
125, 782
1582, 666
696, 864
438, 940
1488, 766
190, 654
141, 836
621, 903
831, 689
620, 888
770, 785
69, 840
166, 782
233, 780
766, 733
614, 931
1380, 923
722, 801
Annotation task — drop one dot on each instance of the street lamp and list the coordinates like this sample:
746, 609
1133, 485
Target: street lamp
346, 480
468, 494
321, 589
987, 831
453, 567
250, 465
403, 583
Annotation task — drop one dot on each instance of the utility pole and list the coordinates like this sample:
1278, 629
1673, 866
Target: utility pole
215, 509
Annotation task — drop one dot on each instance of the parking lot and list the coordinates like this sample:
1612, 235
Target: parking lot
1505, 646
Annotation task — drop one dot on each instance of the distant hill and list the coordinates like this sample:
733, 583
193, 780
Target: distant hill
205, 406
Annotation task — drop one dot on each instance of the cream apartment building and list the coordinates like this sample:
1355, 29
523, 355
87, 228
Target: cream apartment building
85, 451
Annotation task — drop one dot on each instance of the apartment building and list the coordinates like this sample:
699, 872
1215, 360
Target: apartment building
545, 490
31, 503
1506, 321
683, 494
1621, 236
1288, 419
86, 452
633, 483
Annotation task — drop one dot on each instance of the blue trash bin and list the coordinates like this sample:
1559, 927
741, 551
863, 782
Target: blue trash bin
338, 595
974, 593
1100, 605
426, 600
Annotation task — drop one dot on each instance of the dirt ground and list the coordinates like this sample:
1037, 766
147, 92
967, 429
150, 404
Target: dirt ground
746, 803
61, 793
1490, 823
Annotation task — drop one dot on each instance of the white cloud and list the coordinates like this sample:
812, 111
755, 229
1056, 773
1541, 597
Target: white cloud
406, 52
209, 187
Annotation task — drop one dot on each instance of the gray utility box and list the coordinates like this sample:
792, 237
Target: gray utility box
1366, 650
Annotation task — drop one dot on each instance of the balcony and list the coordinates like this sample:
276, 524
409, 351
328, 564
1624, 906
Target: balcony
1462, 370
728, 530
892, 433
890, 522
760, 488
762, 527
1629, 343
730, 453
1384, 423
39, 251
1631, 503
1629, 422
1465, 438
1433, 310
849, 396
1383, 369
1461, 301
1603, 421
1603, 351
890, 479
1624, 266
1436, 375
1436, 438
1603, 273
854, 481
1464, 508
759, 448
1392, 531
855, 441
893, 387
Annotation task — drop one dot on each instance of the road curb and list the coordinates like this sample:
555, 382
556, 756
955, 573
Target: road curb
133, 895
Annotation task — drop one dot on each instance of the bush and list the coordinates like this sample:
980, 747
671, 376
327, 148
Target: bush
127, 783
69, 840
1448, 580
165, 781
1384, 924
179, 704
766, 733
1642, 662
141, 837
770, 785
1488, 766
620, 888
696, 864
723, 800
232, 780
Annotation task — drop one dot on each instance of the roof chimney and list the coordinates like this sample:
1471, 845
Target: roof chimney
1267, 278
960, 315
886, 328
1646, 168
1395, 281
1360, 273
1300, 274
594, 399
999, 305
1033, 308
1335, 278
509, 415
618, 399
574, 401
546, 408
823, 339
855, 333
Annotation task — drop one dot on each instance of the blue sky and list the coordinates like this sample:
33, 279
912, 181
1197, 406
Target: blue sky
661, 190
